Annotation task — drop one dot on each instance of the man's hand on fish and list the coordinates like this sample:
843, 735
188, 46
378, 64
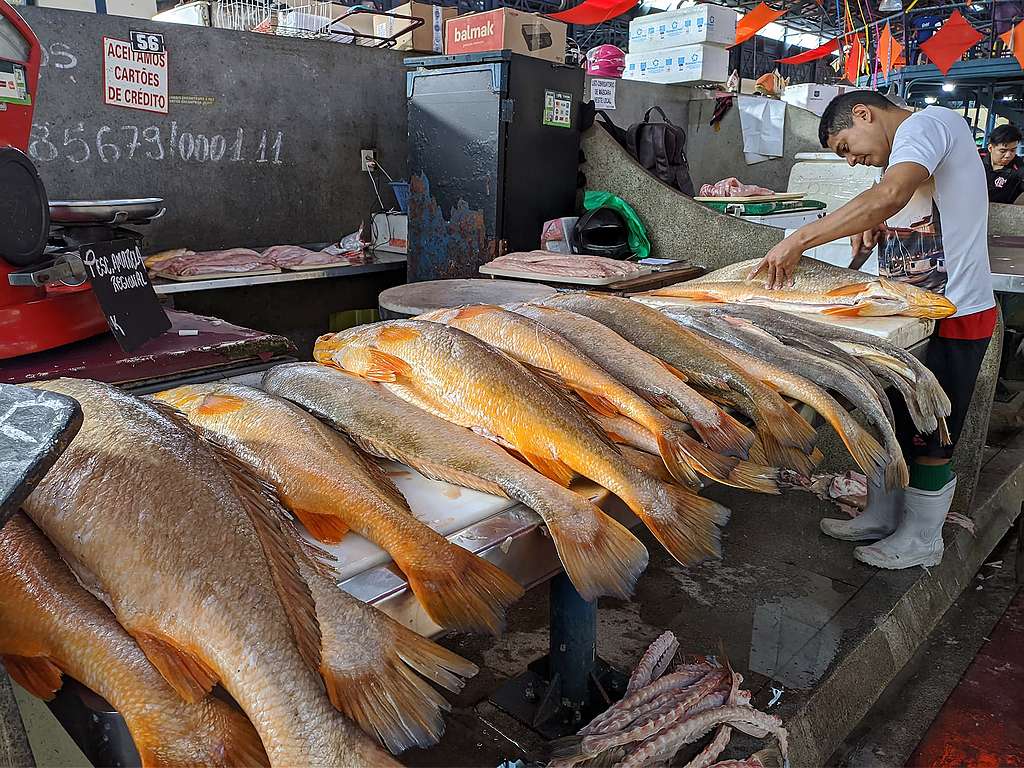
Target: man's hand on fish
780, 263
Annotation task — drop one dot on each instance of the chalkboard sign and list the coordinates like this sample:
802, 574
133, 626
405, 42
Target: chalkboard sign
118, 277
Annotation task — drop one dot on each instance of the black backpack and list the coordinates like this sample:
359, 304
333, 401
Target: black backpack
661, 149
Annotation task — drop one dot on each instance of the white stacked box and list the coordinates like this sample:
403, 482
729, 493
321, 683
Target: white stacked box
682, 46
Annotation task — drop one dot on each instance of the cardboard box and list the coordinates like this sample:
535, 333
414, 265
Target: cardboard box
506, 29
712, 24
686, 64
813, 97
428, 38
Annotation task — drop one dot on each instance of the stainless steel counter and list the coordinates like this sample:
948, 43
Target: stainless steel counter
1007, 263
382, 262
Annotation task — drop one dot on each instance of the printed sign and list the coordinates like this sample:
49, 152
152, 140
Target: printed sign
558, 109
146, 42
134, 79
13, 85
602, 93
118, 277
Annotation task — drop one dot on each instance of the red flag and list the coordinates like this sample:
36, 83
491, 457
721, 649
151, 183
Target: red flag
818, 53
1014, 40
854, 59
594, 11
889, 52
949, 44
755, 21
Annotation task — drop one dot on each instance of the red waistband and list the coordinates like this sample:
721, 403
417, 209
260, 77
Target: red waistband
978, 325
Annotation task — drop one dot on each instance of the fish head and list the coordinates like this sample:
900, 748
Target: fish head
919, 302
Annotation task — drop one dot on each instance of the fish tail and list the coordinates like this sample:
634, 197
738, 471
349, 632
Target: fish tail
727, 436
462, 591
605, 560
865, 450
768, 451
775, 419
682, 455
328, 529
897, 474
755, 477
686, 524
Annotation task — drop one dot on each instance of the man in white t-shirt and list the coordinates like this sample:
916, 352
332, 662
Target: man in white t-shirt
929, 215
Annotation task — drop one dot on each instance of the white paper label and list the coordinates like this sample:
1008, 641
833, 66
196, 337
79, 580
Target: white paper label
602, 93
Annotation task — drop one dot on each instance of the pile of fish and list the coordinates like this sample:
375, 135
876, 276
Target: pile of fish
178, 518
817, 287
660, 714
182, 262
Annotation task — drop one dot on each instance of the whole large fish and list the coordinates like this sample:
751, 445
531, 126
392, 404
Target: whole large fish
823, 371
780, 428
150, 519
644, 374
599, 555
50, 626
318, 474
817, 287
470, 383
557, 359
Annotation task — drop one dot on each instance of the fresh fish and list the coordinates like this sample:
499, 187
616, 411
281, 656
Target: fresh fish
600, 555
474, 385
50, 626
780, 428
865, 450
558, 360
823, 371
646, 375
320, 476
195, 570
817, 288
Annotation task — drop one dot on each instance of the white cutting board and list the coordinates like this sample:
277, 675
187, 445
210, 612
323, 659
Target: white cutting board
900, 330
445, 508
518, 274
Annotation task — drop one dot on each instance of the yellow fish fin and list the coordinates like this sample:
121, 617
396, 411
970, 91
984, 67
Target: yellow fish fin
36, 674
385, 367
599, 403
675, 371
847, 290
218, 405
392, 334
185, 672
468, 313
843, 311
328, 529
553, 469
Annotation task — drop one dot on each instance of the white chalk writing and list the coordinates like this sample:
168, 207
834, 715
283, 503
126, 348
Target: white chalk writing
105, 144
58, 56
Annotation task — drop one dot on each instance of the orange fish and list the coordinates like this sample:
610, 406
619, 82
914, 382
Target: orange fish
332, 487
462, 379
50, 626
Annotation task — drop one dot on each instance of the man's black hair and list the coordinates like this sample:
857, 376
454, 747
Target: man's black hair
1005, 134
838, 114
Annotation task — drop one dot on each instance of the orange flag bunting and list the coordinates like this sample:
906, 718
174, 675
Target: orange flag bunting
755, 21
854, 60
947, 46
1014, 40
889, 52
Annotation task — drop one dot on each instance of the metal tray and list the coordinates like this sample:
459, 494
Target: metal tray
137, 211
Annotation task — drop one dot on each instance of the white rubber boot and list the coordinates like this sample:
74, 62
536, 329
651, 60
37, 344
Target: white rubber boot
878, 520
918, 539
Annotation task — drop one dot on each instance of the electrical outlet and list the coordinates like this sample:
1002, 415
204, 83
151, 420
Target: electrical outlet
367, 156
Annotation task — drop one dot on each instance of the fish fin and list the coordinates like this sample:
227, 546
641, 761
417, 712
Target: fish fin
550, 377
461, 591
604, 559
385, 367
183, 670
867, 452
848, 290
36, 674
688, 529
598, 403
278, 540
684, 457
897, 474
475, 310
327, 529
696, 294
217, 405
553, 469
430, 469
674, 371
728, 437
616, 438
647, 463
755, 477
394, 334
240, 742
856, 311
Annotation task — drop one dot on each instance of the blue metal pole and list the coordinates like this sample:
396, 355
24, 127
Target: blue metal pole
573, 638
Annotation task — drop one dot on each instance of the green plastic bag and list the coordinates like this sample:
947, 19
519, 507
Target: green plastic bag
638, 242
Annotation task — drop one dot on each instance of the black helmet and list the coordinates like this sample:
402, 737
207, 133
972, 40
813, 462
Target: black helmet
602, 232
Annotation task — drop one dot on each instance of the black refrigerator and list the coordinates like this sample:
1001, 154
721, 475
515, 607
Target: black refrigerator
493, 154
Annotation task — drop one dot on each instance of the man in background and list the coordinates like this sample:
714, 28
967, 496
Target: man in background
1002, 166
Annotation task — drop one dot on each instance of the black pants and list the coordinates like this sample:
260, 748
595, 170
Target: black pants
956, 364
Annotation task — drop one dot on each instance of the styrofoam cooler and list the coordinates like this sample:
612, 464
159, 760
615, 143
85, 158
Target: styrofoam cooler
685, 64
786, 220
712, 24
